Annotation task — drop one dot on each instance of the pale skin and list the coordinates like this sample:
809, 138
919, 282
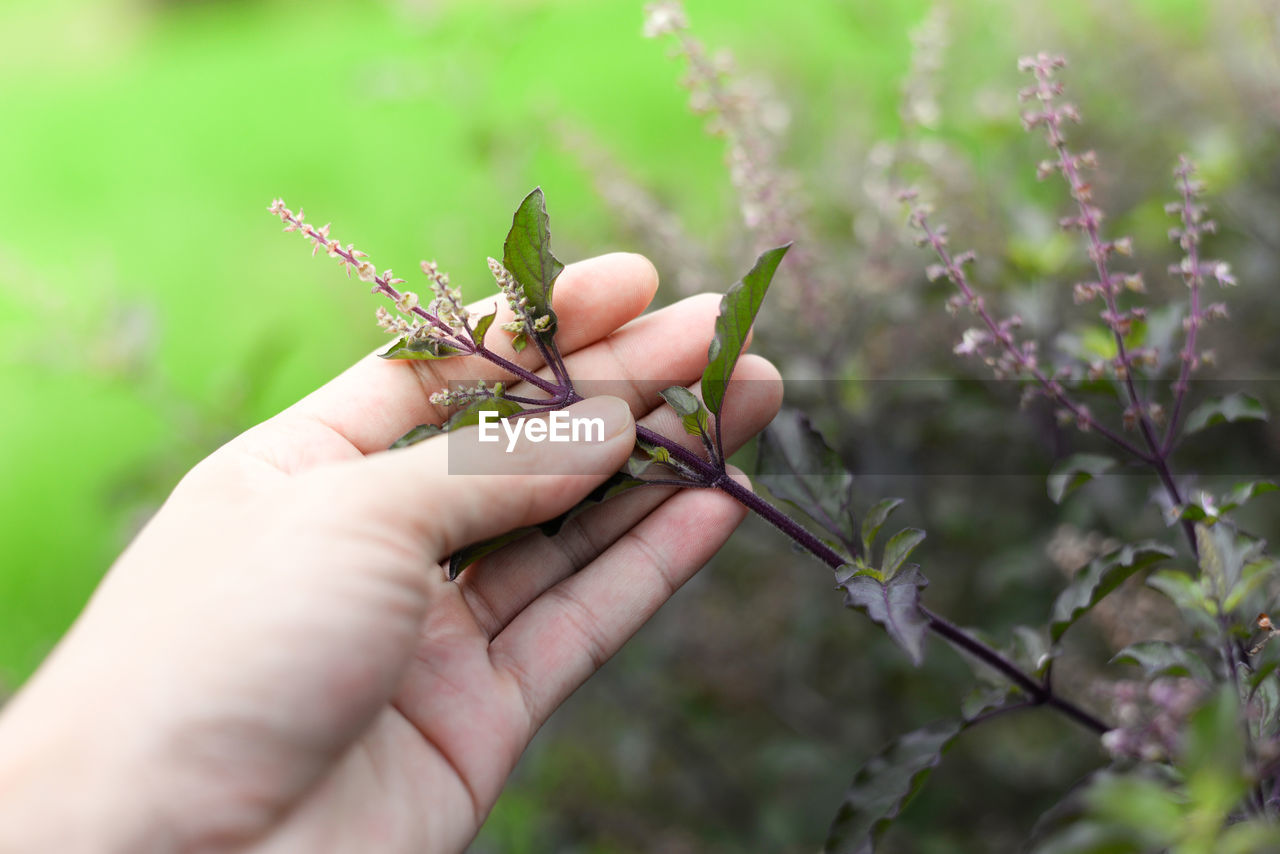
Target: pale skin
278, 664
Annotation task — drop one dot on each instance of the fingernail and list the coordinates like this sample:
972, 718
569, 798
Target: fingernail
613, 411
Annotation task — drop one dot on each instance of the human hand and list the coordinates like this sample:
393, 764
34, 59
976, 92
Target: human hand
277, 663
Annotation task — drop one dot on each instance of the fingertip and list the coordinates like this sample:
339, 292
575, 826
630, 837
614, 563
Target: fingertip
631, 279
619, 423
765, 378
644, 277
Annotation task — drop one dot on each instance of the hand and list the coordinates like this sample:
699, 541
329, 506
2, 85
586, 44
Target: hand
278, 663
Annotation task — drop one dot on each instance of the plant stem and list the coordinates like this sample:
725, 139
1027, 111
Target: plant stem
1039, 694
711, 474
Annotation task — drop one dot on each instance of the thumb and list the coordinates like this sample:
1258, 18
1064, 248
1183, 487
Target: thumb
477, 482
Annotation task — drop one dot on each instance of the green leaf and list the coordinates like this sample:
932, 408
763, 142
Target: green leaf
1092, 584
899, 548
874, 521
693, 415
410, 347
1074, 472
1189, 595
1221, 560
1265, 700
1256, 836
1260, 675
1243, 493
519, 341
894, 604
469, 416
885, 785
1204, 507
527, 256
738, 311
418, 434
1030, 650
1253, 576
1229, 408
799, 469
482, 326
985, 698
1213, 746
1147, 808
1163, 658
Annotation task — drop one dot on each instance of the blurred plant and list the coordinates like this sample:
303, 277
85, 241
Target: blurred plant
1158, 794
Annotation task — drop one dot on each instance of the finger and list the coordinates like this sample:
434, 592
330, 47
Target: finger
377, 401
412, 494
572, 629
502, 584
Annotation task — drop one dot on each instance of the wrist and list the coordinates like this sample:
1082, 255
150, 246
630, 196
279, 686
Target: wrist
65, 786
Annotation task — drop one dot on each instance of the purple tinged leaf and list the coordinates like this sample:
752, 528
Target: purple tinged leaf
527, 256
406, 347
1260, 675
482, 326
1233, 565
899, 548
984, 698
1093, 583
1218, 559
1228, 409
418, 434
1029, 649
468, 416
1189, 595
874, 521
894, 604
1074, 472
1163, 658
799, 469
738, 311
885, 785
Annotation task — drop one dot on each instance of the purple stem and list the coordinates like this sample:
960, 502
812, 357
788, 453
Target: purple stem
711, 475
1040, 694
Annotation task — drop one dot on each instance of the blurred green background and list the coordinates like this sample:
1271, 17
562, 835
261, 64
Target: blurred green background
150, 309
